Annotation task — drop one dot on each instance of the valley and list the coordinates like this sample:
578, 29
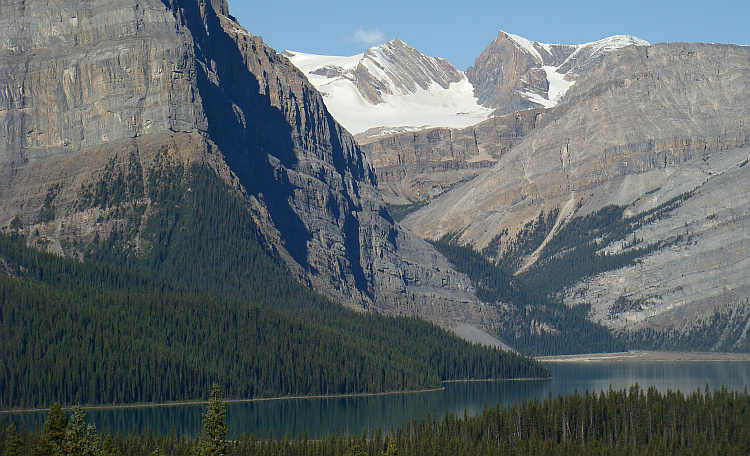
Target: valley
183, 209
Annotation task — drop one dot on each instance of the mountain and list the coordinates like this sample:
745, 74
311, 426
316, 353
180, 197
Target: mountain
631, 197
415, 167
514, 73
92, 105
515, 77
391, 87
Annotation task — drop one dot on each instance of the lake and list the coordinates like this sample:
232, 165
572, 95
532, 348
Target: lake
321, 416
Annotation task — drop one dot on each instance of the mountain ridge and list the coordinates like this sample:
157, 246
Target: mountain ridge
208, 92
647, 132
514, 73
391, 87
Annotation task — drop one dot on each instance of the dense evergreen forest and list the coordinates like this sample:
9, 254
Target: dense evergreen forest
633, 422
195, 299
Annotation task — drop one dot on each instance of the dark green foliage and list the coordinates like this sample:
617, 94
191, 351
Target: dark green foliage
400, 211
118, 183
81, 439
528, 239
212, 442
534, 323
16, 225
570, 256
724, 331
573, 253
627, 422
47, 213
52, 437
204, 304
14, 446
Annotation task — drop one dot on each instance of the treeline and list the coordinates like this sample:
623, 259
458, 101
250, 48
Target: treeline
633, 422
531, 322
537, 322
202, 302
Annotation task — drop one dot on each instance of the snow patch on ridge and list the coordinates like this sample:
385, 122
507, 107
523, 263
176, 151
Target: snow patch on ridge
412, 89
579, 56
527, 45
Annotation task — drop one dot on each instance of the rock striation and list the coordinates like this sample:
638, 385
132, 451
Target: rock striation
86, 86
514, 73
391, 87
647, 125
421, 165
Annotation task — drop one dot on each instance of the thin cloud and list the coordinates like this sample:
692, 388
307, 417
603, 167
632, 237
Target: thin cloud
368, 37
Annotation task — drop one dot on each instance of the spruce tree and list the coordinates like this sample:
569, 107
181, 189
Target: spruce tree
13, 443
213, 440
53, 432
81, 439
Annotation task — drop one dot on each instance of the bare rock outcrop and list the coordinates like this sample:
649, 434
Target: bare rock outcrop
514, 73
645, 126
83, 86
417, 166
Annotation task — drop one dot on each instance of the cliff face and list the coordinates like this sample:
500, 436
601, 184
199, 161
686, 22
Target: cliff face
648, 125
514, 73
421, 165
84, 87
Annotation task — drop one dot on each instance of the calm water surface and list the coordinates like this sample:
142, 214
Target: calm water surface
319, 417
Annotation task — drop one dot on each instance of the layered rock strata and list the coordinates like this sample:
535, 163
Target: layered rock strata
647, 125
84, 86
418, 166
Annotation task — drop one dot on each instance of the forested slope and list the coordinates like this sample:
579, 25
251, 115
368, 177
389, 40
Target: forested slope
633, 422
204, 303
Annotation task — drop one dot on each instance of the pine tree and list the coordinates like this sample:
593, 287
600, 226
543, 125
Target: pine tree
392, 449
81, 439
212, 442
355, 450
13, 443
109, 448
53, 432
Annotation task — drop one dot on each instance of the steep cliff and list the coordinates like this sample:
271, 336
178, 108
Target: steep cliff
96, 91
658, 131
418, 166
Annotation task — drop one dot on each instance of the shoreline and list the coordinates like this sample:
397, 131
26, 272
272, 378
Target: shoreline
226, 401
266, 399
647, 356
629, 356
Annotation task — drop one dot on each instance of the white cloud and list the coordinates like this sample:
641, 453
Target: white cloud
368, 37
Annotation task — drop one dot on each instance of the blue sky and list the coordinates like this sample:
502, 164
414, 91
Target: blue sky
459, 30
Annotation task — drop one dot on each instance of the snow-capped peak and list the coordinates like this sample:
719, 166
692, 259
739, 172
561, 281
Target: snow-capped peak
528, 46
562, 63
392, 86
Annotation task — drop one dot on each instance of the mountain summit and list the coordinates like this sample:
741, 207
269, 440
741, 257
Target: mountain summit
392, 87
514, 73
94, 109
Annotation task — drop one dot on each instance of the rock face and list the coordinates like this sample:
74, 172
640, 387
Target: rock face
421, 165
391, 87
83, 87
513, 73
646, 126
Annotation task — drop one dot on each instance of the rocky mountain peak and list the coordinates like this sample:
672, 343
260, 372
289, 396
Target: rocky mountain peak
647, 156
120, 84
407, 69
391, 87
514, 73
